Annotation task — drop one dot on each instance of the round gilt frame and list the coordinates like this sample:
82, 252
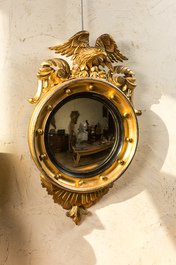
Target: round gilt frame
37, 126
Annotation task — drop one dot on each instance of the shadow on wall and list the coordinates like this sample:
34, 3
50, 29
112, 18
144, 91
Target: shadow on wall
40, 234
145, 173
12, 226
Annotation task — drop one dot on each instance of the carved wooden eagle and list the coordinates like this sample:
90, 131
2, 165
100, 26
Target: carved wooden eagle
104, 53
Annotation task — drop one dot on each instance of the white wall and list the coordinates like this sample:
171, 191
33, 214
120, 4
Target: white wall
135, 223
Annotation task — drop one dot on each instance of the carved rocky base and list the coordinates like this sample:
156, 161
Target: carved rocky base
75, 202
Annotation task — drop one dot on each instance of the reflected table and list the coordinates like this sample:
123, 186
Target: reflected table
89, 149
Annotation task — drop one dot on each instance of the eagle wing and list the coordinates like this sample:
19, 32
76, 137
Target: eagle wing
107, 43
80, 39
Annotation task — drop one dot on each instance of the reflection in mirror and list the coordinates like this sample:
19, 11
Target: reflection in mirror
82, 134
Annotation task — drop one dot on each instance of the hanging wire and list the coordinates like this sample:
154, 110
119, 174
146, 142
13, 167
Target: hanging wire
82, 16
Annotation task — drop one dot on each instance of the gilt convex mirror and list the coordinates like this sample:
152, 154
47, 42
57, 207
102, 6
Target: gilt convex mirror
83, 132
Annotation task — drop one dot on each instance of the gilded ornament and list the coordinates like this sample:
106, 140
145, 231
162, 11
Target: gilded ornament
86, 63
60, 81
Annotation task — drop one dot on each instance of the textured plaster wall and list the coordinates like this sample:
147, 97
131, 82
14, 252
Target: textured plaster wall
136, 222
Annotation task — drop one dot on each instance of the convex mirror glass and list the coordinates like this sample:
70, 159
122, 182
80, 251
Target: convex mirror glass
83, 134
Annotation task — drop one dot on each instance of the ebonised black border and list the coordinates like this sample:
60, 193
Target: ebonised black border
117, 147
